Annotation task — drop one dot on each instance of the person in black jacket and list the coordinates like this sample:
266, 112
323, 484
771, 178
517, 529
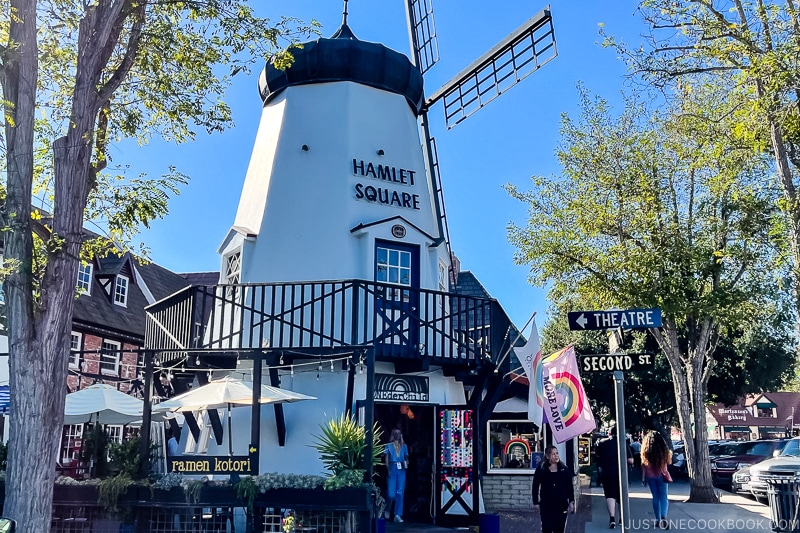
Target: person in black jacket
553, 494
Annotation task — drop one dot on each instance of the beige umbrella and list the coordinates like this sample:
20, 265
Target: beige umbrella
227, 392
103, 404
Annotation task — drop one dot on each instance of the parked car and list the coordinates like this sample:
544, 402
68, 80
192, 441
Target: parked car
745, 454
740, 482
720, 449
678, 466
785, 464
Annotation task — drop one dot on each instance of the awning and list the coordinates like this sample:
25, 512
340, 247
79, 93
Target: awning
737, 429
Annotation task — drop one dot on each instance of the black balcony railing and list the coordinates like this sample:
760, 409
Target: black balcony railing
321, 316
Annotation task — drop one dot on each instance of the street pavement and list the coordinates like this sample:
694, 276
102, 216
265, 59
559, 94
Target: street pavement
733, 514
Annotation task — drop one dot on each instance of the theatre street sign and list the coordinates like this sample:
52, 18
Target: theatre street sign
618, 318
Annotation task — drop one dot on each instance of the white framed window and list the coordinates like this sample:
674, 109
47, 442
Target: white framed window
233, 268
444, 285
74, 349
114, 433
233, 272
394, 266
121, 290
85, 278
71, 444
110, 356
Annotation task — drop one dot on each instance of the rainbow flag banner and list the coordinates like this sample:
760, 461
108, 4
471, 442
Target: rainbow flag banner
566, 405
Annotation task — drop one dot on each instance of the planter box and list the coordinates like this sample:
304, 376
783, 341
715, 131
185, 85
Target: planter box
350, 499
64, 494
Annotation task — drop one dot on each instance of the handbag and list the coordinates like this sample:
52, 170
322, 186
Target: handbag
666, 477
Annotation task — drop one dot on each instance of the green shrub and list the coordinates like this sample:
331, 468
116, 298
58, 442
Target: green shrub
343, 442
247, 490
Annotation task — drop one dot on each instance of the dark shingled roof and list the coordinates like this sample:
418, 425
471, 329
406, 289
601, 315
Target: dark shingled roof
468, 285
97, 311
204, 279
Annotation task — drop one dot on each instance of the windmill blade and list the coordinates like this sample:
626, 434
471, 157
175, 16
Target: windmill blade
512, 60
422, 32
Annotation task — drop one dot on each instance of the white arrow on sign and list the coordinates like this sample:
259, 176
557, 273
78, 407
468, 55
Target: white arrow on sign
581, 321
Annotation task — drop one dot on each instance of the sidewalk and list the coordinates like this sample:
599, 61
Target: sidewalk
732, 515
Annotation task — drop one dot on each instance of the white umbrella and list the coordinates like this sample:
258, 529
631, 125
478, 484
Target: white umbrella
102, 404
227, 392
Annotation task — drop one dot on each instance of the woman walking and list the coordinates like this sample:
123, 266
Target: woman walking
656, 455
396, 464
552, 491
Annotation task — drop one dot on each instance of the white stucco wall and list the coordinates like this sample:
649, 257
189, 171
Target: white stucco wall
303, 204
303, 419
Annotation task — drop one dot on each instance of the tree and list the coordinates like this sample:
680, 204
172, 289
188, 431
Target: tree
89, 74
748, 50
657, 211
649, 395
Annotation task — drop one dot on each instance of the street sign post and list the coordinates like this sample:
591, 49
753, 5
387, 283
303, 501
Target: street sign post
609, 362
617, 318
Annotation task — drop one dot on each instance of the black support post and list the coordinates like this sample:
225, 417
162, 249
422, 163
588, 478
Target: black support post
146, 414
369, 412
255, 421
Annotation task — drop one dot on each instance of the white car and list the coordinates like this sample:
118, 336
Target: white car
785, 464
741, 480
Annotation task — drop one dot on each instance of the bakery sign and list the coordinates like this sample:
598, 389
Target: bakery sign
734, 414
392, 388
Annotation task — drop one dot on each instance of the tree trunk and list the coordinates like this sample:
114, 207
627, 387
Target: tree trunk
784, 172
702, 487
37, 374
687, 384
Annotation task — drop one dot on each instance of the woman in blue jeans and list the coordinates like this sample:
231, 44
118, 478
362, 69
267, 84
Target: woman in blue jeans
656, 455
396, 454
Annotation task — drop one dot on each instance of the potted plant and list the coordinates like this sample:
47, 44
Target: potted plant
124, 462
342, 447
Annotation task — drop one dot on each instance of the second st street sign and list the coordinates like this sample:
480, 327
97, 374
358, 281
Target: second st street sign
609, 362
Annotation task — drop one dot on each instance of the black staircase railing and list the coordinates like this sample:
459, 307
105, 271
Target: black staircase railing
317, 317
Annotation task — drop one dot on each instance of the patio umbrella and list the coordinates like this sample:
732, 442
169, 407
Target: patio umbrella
103, 404
227, 392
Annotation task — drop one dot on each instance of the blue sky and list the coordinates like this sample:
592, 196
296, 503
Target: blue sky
510, 140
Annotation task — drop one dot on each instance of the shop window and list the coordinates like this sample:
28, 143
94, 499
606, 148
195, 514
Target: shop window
513, 447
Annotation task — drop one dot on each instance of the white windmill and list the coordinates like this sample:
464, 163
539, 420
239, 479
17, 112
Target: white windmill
343, 184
